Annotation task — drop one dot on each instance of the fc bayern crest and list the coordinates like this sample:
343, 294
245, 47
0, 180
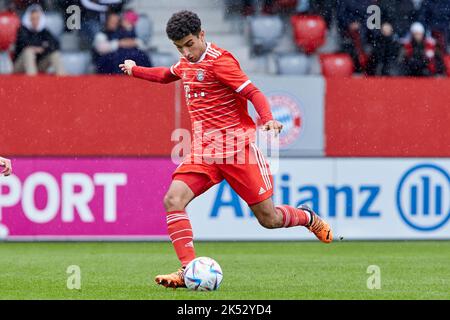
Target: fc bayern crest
286, 109
200, 75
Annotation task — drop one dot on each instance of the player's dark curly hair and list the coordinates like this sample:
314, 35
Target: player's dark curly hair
182, 24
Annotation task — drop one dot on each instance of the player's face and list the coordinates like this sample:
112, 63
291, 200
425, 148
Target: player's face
192, 47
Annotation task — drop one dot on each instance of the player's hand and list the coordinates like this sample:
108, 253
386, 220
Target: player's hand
126, 67
5, 164
273, 125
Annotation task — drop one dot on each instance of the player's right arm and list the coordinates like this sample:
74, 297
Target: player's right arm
6, 164
157, 74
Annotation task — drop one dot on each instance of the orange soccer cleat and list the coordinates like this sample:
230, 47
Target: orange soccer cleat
318, 226
172, 280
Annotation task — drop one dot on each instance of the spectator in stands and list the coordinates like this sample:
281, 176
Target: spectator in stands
249, 7
419, 53
36, 48
400, 14
93, 17
436, 18
117, 43
351, 16
24, 4
385, 51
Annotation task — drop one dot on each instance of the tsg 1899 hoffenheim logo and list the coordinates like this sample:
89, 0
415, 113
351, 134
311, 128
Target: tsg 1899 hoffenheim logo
286, 109
423, 197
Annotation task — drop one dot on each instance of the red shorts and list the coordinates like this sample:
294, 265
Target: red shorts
251, 179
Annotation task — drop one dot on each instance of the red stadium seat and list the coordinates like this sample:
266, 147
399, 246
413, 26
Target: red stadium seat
309, 32
9, 23
447, 64
336, 65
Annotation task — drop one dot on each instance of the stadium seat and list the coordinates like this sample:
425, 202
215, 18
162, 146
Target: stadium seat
76, 63
162, 59
144, 28
70, 41
309, 32
6, 64
9, 24
292, 63
54, 23
265, 32
336, 65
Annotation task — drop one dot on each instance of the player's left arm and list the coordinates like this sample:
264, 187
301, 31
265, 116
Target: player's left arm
6, 165
228, 71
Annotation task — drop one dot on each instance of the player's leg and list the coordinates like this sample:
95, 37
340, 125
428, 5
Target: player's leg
179, 229
254, 183
178, 224
183, 189
284, 216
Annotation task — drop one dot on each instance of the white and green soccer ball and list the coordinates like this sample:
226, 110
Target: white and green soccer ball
203, 274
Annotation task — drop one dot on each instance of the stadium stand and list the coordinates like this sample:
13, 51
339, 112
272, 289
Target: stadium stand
9, 23
76, 62
54, 23
144, 29
266, 36
163, 59
265, 32
292, 63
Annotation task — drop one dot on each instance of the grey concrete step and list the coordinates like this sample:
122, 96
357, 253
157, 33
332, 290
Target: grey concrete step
212, 21
224, 40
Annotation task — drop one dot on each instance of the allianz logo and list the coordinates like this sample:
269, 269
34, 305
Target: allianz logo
421, 198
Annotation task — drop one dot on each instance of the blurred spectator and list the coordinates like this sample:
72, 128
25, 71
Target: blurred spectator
36, 48
23, 4
419, 53
400, 14
93, 17
436, 18
250, 7
289, 6
385, 50
118, 42
351, 16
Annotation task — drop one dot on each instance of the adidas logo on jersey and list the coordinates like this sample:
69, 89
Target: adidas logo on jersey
261, 191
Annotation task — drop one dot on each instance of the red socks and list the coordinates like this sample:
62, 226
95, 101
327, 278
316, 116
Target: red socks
180, 229
294, 217
180, 232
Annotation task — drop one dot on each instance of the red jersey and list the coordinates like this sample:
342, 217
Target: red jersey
221, 125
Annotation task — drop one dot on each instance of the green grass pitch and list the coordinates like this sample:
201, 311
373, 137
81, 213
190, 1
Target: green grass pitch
252, 270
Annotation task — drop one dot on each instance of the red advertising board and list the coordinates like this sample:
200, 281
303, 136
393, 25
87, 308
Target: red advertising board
401, 117
86, 116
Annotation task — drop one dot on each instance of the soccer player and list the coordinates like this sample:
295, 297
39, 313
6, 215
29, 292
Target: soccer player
216, 92
7, 168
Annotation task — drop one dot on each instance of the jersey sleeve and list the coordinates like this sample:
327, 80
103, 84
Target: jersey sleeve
228, 71
175, 69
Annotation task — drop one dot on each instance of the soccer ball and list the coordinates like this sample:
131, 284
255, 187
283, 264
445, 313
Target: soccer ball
203, 274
